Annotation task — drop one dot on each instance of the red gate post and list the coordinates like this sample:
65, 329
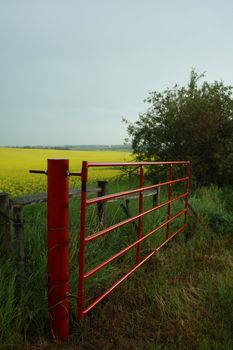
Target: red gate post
169, 198
83, 213
187, 192
58, 267
140, 210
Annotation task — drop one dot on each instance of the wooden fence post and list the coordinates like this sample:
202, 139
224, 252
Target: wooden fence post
5, 224
156, 197
19, 236
102, 206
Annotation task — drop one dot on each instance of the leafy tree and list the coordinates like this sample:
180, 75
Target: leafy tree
193, 122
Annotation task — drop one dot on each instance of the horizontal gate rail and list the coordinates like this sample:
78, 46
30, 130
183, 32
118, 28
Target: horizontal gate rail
122, 279
133, 218
137, 164
125, 193
83, 276
121, 252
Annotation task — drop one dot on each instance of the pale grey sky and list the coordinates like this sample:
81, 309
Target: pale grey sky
70, 70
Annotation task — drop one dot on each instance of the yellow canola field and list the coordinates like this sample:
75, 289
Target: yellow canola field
15, 164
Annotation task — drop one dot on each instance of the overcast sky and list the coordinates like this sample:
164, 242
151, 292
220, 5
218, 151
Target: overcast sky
70, 70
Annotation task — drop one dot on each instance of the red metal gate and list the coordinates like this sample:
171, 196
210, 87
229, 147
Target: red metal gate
58, 269
83, 276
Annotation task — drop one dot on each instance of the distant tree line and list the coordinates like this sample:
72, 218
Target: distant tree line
124, 147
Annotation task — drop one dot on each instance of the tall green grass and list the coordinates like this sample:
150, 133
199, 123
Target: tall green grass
181, 299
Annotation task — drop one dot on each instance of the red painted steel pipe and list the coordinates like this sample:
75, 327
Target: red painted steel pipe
187, 191
137, 190
80, 296
102, 164
169, 198
84, 240
126, 249
140, 209
58, 259
133, 218
122, 279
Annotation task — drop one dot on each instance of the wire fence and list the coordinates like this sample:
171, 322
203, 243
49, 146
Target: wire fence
14, 225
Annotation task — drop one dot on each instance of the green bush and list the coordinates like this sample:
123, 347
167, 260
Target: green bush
193, 122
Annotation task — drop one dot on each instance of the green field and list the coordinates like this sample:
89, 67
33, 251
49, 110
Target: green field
16, 163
